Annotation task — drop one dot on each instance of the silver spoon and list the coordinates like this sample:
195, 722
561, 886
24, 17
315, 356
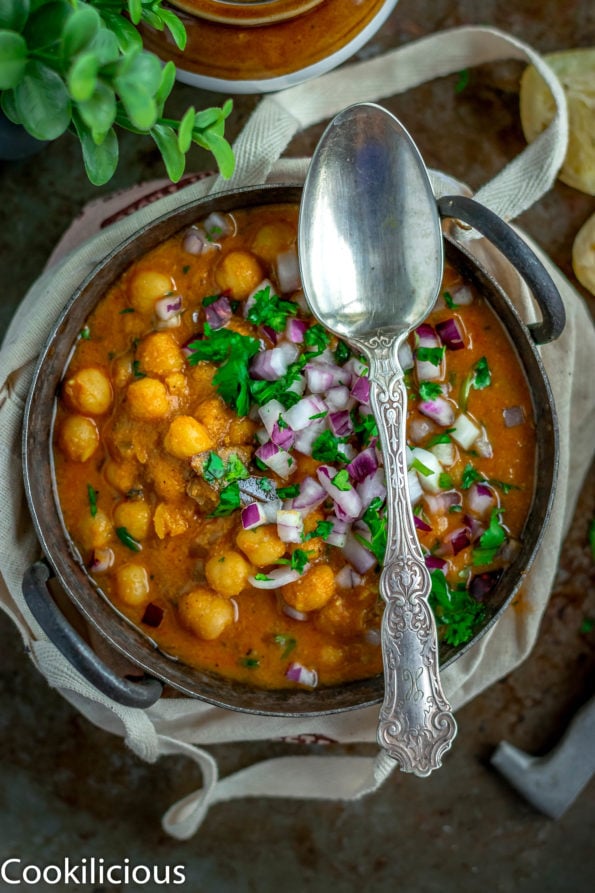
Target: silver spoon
371, 259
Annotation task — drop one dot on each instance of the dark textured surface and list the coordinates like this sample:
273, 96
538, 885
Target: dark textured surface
69, 789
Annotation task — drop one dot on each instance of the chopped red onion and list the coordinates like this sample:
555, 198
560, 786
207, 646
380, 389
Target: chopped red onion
253, 515
483, 446
361, 390
347, 578
405, 355
153, 615
167, 307
476, 529
277, 460
434, 563
320, 377
425, 336
302, 675
339, 531
338, 398
288, 270
340, 423
300, 415
294, 613
103, 559
514, 416
269, 333
450, 334
347, 500
295, 330
439, 410
195, 241
462, 296
420, 524
357, 555
429, 478
218, 225
290, 525
283, 437
270, 365
218, 313
458, 539
305, 438
480, 498
364, 464
482, 584
419, 429
440, 503
270, 509
279, 576
269, 413
372, 487
355, 368
446, 453
311, 495
464, 431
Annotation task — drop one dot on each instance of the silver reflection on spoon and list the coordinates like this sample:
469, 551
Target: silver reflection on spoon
371, 259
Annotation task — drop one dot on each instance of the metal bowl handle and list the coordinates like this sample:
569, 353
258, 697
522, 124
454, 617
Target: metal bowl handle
523, 259
141, 692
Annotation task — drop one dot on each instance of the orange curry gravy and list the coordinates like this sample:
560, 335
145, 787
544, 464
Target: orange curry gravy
154, 439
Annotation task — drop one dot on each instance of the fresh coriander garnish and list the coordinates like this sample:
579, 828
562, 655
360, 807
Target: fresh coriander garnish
288, 492
92, 495
288, 643
377, 526
214, 468
229, 501
449, 301
433, 355
342, 353
136, 369
318, 337
270, 310
323, 529
326, 447
85, 333
365, 426
127, 540
417, 465
428, 390
341, 480
491, 540
233, 352
456, 611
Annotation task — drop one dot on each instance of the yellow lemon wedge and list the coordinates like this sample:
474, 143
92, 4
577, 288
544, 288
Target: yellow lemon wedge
576, 72
583, 254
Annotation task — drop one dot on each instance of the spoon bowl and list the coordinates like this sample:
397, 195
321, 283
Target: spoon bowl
371, 259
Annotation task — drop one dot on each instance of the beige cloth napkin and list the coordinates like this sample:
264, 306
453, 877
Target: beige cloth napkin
176, 726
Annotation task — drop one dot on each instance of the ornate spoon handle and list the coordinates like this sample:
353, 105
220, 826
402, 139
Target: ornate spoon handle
416, 726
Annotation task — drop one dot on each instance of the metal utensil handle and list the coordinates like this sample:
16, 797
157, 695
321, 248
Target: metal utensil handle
416, 726
520, 255
141, 692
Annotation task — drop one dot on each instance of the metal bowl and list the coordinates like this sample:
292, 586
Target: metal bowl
62, 558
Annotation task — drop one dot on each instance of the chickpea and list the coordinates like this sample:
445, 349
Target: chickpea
201, 377
273, 238
146, 287
78, 438
147, 399
313, 590
135, 516
227, 573
238, 272
261, 545
186, 437
132, 582
168, 478
122, 371
204, 613
122, 476
159, 354
169, 520
95, 531
342, 617
176, 384
242, 431
215, 416
89, 391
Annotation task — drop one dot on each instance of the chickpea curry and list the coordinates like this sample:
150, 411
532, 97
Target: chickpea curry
218, 468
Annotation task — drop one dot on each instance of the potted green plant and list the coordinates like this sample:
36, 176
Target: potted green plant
80, 65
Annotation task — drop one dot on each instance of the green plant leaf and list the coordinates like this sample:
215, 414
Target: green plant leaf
126, 34
166, 83
167, 142
136, 85
135, 10
185, 130
42, 102
79, 30
46, 24
13, 59
222, 151
13, 14
106, 47
8, 105
175, 26
99, 112
82, 77
100, 160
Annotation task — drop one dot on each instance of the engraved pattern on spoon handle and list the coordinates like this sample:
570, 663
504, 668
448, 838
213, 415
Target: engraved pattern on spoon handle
416, 725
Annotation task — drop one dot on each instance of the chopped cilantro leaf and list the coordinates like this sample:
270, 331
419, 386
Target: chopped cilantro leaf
263, 391
377, 527
439, 438
229, 501
92, 494
587, 625
233, 352
341, 480
470, 476
127, 539
288, 643
462, 81
263, 578
449, 301
319, 415
299, 560
423, 469
428, 390
491, 540
433, 355
342, 353
365, 426
288, 492
502, 485
127, 310
214, 468
235, 470
318, 337
323, 529
270, 310
445, 481
85, 333
186, 269
136, 371
250, 662
326, 447
210, 299
482, 377
457, 612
